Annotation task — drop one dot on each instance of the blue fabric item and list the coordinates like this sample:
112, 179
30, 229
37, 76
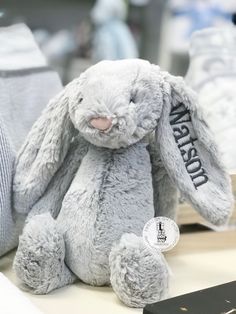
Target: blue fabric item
114, 41
201, 18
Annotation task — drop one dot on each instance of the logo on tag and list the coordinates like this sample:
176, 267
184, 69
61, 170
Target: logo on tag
161, 233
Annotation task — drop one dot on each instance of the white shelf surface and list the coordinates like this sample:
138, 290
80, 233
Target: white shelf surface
191, 272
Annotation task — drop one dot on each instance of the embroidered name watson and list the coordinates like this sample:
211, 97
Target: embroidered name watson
180, 121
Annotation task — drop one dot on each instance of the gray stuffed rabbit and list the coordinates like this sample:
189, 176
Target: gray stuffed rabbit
107, 155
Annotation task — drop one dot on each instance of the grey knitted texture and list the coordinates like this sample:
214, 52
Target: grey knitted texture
6, 171
6, 163
18, 110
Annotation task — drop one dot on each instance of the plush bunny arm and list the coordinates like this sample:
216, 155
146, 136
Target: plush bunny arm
165, 194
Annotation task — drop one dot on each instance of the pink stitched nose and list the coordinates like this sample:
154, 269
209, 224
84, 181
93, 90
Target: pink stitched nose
101, 124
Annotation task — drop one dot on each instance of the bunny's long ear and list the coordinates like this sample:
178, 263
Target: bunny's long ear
189, 153
43, 152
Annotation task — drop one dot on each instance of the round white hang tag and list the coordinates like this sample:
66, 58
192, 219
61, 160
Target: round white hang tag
161, 233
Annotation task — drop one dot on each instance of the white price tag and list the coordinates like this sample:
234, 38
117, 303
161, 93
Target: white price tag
161, 233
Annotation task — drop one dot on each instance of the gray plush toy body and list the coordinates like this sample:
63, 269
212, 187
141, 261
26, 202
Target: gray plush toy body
92, 172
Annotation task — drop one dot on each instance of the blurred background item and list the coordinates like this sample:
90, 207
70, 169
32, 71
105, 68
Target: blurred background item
59, 48
184, 17
212, 74
113, 39
26, 82
139, 2
73, 34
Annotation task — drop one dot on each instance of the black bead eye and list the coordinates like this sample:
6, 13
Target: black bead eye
131, 99
80, 100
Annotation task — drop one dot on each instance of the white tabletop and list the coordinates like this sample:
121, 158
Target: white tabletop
191, 271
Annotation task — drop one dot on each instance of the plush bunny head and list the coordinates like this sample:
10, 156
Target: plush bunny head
115, 104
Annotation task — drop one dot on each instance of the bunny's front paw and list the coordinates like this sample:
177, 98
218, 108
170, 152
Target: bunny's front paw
138, 275
39, 260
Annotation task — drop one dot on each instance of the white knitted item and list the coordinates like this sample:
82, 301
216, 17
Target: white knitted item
26, 82
18, 49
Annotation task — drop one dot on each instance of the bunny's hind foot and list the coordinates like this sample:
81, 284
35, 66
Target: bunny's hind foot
138, 275
39, 260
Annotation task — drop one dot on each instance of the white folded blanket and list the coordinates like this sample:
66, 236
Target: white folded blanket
18, 49
26, 82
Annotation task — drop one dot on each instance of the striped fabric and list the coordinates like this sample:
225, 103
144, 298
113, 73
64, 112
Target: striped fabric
11, 223
6, 170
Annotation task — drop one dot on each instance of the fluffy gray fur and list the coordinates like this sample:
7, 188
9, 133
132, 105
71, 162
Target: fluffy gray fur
102, 187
